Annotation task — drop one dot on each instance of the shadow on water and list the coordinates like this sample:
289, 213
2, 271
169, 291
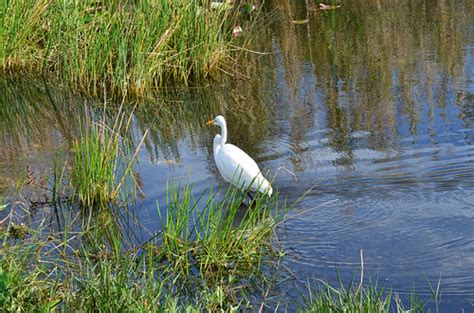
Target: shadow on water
371, 103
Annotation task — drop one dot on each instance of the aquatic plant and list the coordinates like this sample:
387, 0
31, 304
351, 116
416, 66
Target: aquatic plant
333, 299
211, 255
121, 46
212, 238
98, 270
361, 297
102, 169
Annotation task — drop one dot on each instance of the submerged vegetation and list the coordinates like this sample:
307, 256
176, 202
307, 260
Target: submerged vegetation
121, 46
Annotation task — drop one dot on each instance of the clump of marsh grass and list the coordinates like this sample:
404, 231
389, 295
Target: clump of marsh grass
219, 242
103, 163
341, 299
124, 46
45, 275
124, 282
361, 298
371, 298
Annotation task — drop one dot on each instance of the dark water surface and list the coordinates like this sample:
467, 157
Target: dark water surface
371, 105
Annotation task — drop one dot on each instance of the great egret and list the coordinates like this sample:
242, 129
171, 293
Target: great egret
236, 166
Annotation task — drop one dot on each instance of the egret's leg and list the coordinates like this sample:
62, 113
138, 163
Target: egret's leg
250, 196
248, 199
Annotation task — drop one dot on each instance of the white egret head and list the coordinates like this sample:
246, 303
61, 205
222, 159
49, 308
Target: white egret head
219, 121
219, 140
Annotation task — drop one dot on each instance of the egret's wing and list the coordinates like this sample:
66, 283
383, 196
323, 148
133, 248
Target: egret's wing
232, 162
238, 168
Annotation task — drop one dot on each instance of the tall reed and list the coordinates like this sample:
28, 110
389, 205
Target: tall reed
124, 46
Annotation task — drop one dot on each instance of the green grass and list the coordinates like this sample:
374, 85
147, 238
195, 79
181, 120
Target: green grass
360, 298
330, 299
119, 46
32, 282
204, 258
211, 252
102, 168
207, 235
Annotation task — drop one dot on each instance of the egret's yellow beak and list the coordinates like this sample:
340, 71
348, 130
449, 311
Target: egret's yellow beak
211, 122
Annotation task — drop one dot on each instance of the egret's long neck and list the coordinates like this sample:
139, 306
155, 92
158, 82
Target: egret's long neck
217, 144
223, 134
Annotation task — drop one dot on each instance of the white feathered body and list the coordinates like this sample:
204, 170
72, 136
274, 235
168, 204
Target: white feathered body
238, 168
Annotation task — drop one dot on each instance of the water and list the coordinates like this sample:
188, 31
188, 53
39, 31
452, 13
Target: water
369, 106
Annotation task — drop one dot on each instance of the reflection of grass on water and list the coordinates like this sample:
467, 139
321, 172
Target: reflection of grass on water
33, 114
127, 45
376, 64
